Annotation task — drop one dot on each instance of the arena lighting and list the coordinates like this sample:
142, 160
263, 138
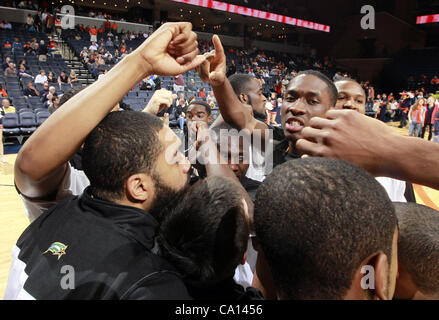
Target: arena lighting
222, 6
427, 19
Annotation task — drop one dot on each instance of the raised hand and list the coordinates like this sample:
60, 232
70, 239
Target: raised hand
213, 69
162, 99
170, 50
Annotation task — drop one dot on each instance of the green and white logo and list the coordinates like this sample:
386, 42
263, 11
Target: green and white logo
57, 249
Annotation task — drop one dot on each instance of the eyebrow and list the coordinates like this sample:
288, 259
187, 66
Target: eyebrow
309, 93
355, 95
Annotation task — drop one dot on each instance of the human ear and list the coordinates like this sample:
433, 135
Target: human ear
381, 265
139, 188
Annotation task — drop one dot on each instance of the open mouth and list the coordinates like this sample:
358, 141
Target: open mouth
294, 125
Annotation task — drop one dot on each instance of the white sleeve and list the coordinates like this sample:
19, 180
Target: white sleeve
395, 188
244, 272
73, 183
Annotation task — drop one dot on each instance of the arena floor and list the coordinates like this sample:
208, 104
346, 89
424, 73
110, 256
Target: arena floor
13, 220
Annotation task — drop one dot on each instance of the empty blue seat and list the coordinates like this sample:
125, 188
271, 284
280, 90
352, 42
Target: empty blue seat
24, 110
11, 124
27, 122
42, 116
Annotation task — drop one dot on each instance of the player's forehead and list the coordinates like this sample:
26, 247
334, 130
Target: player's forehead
196, 108
350, 87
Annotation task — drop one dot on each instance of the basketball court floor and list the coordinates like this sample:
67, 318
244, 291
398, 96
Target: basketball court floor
13, 220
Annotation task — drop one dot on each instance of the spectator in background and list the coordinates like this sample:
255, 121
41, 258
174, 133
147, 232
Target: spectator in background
181, 108
49, 96
16, 45
7, 108
73, 77
107, 25
30, 91
109, 43
231, 69
51, 78
44, 92
178, 83
7, 44
42, 51
50, 22
108, 57
52, 45
63, 78
3, 92
58, 25
6, 64
83, 54
191, 86
202, 93
116, 42
114, 27
93, 35
41, 77
436, 123
53, 106
22, 72
93, 46
211, 97
29, 20
11, 70
429, 117
7, 26
416, 118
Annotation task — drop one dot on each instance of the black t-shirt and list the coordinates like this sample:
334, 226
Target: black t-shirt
251, 186
429, 115
280, 153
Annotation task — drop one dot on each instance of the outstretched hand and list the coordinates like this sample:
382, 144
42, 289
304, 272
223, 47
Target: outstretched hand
350, 136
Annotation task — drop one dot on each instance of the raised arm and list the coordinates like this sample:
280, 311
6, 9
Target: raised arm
41, 162
370, 144
232, 109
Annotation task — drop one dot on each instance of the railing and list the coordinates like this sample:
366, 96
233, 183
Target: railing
20, 15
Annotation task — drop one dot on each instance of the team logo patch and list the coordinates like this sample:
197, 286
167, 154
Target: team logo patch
57, 249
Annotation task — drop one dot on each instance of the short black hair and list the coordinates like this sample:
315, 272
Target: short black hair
122, 144
240, 82
70, 94
333, 93
202, 103
418, 244
205, 235
317, 220
339, 78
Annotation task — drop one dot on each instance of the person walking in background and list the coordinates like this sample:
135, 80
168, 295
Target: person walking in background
416, 118
429, 119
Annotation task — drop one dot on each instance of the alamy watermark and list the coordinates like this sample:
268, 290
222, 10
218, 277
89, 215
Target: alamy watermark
368, 21
368, 281
68, 280
68, 17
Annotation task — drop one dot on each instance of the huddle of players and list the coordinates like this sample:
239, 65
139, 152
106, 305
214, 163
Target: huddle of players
317, 222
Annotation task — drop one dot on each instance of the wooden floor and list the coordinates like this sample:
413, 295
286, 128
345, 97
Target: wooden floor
13, 220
